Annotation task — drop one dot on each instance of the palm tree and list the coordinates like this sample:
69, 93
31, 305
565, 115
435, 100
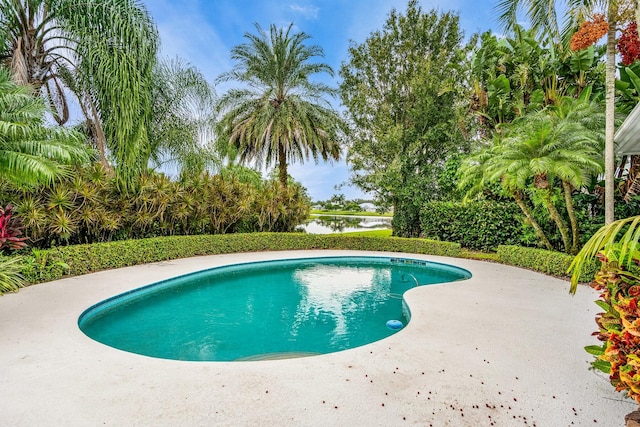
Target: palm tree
182, 115
545, 149
474, 175
103, 51
559, 143
279, 116
543, 16
31, 153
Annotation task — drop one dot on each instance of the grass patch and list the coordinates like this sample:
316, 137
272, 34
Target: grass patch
385, 232
348, 213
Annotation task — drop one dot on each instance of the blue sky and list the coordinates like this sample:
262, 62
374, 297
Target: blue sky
203, 32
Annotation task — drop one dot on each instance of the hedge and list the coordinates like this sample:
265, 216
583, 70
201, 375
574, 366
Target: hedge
480, 225
53, 264
547, 262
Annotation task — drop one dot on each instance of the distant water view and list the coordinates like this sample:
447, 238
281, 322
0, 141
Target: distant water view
345, 224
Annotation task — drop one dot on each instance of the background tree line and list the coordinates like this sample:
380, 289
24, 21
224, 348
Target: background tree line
520, 117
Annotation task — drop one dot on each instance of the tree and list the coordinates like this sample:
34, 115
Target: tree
31, 153
279, 116
182, 115
103, 51
402, 89
543, 16
559, 145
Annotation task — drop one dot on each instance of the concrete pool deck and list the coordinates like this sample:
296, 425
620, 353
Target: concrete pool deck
504, 348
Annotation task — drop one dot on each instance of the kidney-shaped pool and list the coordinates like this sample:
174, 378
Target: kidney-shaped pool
265, 310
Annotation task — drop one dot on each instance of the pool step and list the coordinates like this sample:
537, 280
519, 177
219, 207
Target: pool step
276, 356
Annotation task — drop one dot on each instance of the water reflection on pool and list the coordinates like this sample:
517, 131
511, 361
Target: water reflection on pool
344, 224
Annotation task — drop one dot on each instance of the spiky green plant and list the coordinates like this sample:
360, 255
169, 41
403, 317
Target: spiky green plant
10, 274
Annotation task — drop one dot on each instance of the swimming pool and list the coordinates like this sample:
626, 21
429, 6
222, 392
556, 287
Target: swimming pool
264, 310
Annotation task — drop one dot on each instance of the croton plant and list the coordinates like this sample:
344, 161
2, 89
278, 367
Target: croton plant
618, 282
10, 230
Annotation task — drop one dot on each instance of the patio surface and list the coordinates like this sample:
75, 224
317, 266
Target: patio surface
504, 348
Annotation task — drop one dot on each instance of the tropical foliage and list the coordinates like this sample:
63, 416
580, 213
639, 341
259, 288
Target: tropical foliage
11, 278
401, 88
10, 230
31, 152
280, 116
521, 73
182, 119
90, 207
593, 17
102, 52
554, 151
618, 281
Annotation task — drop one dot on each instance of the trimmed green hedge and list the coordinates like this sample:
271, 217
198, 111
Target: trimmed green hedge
475, 225
547, 262
53, 264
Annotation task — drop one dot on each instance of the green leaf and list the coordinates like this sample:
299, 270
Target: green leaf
633, 77
582, 60
603, 305
601, 365
596, 350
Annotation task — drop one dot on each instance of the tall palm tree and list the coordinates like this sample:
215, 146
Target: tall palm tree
102, 50
182, 116
31, 153
279, 116
543, 16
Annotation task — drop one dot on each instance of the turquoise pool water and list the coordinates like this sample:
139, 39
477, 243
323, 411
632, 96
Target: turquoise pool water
264, 310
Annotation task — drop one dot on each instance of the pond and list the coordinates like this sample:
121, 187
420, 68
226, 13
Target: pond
326, 224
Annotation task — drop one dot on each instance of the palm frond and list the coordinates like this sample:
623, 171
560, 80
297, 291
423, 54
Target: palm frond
606, 242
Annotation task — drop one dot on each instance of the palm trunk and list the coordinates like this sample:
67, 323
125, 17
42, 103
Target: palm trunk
95, 128
282, 166
539, 232
609, 155
568, 200
555, 216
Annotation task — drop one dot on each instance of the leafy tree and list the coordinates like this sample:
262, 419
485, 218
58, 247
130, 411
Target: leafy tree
103, 51
279, 116
402, 90
30, 152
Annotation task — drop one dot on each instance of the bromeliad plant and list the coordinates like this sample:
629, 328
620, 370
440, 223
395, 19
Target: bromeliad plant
618, 282
10, 230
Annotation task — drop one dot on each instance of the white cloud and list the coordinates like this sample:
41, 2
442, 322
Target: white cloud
185, 32
307, 11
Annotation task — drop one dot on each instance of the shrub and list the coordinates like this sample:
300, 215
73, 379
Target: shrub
90, 207
616, 246
547, 262
10, 230
475, 225
10, 274
52, 264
